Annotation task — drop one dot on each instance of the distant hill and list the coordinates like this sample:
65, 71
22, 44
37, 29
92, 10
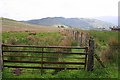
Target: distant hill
13, 25
109, 19
82, 23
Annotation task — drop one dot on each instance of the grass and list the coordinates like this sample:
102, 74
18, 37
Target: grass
109, 72
38, 39
13, 25
102, 37
102, 40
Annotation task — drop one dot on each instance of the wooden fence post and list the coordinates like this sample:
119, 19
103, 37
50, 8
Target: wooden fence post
1, 58
42, 61
86, 39
90, 63
81, 36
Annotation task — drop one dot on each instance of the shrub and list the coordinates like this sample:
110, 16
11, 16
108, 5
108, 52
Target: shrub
111, 53
12, 41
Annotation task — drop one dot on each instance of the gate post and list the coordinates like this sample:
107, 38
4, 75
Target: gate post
1, 61
1, 58
90, 63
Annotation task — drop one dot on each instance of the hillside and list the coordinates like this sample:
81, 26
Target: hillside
13, 25
109, 19
83, 23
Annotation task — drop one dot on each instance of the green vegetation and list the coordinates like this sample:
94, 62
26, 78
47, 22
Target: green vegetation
109, 72
106, 46
25, 38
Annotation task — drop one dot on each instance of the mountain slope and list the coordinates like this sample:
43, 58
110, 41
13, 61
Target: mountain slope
110, 19
83, 23
13, 25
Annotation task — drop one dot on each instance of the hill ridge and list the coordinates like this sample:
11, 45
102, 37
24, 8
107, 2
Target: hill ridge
82, 23
13, 25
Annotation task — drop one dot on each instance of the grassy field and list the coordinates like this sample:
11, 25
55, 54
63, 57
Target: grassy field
105, 47
25, 38
110, 72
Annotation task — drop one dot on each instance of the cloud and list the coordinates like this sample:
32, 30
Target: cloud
32, 9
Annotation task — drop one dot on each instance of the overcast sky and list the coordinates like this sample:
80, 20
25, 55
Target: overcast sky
36, 9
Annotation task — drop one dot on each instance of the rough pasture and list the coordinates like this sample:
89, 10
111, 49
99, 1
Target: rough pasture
103, 42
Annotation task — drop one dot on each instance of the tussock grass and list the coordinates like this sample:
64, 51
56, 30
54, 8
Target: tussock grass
105, 47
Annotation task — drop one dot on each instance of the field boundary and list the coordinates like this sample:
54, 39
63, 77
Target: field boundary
87, 54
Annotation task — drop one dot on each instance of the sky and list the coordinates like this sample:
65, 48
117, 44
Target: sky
37, 9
